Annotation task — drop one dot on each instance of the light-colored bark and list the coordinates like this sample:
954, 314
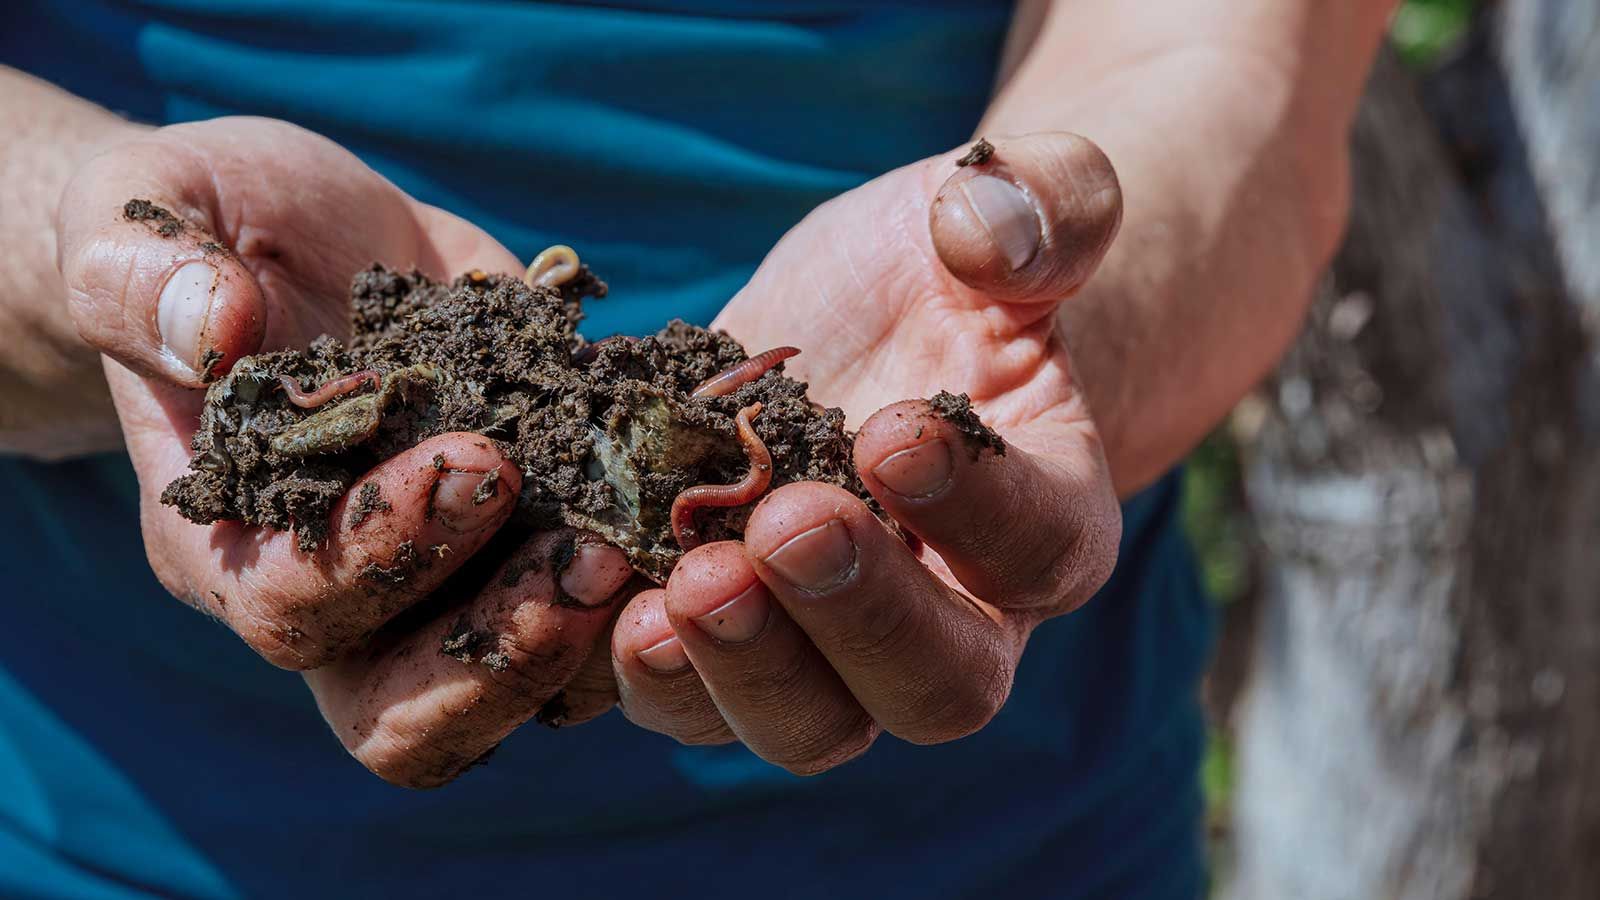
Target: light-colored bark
1423, 719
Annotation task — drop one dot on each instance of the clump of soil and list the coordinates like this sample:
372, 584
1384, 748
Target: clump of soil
606, 435
981, 152
957, 410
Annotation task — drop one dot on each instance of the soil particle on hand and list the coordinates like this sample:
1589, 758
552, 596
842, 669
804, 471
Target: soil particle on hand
487, 488
957, 410
553, 714
368, 501
605, 438
464, 642
160, 220
981, 152
399, 569
482, 759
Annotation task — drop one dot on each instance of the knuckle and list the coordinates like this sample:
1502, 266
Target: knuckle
281, 640
403, 764
705, 734
829, 753
962, 708
881, 635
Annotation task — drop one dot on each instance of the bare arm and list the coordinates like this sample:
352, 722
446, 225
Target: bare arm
53, 397
1227, 122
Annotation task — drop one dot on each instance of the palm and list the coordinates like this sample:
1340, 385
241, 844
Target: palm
301, 246
857, 286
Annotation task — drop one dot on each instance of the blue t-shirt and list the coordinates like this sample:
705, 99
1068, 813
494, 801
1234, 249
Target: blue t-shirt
145, 751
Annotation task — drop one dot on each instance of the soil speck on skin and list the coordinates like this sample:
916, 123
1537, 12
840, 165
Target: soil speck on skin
482, 759
438, 462
981, 152
208, 362
399, 569
164, 223
368, 501
560, 557
497, 661
553, 714
487, 488
957, 410
464, 642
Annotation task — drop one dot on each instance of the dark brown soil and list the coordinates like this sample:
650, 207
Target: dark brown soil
981, 152
957, 410
165, 223
605, 434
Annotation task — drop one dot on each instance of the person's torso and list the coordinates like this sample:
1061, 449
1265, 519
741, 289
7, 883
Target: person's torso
144, 749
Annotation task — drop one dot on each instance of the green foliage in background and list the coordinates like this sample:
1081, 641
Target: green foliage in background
1423, 30
1215, 518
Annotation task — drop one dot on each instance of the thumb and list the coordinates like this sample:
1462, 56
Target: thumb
1027, 219
147, 281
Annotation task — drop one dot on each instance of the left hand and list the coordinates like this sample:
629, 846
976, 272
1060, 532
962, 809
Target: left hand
823, 628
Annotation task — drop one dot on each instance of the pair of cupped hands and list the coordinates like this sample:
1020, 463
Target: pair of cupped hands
806, 641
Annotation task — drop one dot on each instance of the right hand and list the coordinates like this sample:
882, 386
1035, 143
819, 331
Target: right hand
299, 216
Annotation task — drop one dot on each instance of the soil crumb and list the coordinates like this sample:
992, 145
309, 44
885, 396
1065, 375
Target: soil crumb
553, 714
165, 223
957, 410
605, 434
368, 501
981, 152
465, 642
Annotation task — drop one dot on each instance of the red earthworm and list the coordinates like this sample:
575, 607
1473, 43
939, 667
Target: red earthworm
553, 267
747, 489
729, 380
329, 390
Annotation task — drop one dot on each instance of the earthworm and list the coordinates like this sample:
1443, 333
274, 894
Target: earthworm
553, 267
729, 380
747, 489
330, 389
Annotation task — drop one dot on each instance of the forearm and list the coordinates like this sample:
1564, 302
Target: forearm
53, 398
1234, 182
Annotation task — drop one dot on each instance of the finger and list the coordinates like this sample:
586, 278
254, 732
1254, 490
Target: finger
148, 280
592, 692
1017, 529
221, 259
658, 686
1031, 223
924, 661
776, 691
394, 537
422, 706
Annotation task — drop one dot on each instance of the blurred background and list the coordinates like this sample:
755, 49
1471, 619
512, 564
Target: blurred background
1402, 527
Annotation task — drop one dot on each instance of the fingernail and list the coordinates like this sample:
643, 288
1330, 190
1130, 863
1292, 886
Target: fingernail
459, 500
666, 657
740, 619
183, 308
594, 573
816, 560
1006, 215
916, 472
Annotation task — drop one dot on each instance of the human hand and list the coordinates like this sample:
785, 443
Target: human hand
267, 225
823, 628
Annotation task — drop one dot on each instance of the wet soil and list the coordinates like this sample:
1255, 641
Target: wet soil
606, 434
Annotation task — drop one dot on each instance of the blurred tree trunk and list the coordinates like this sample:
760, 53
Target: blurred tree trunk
1423, 718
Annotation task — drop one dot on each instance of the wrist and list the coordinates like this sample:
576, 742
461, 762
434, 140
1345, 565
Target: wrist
53, 398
